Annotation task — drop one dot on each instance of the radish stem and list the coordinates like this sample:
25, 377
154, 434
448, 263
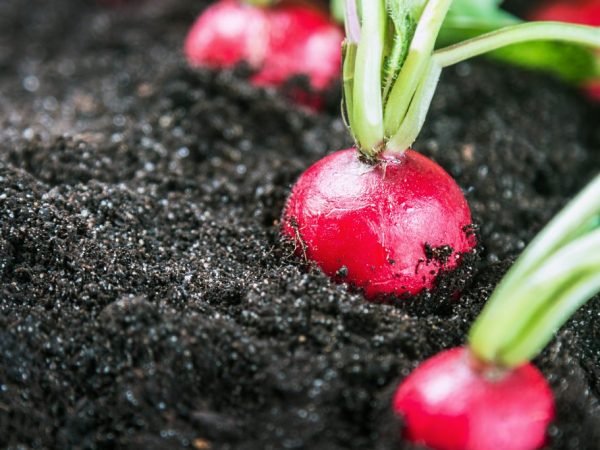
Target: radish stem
367, 112
417, 112
391, 70
556, 274
516, 34
417, 60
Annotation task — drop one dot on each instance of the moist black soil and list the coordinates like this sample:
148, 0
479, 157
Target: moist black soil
146, 299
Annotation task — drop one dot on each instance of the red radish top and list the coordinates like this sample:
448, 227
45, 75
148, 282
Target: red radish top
387, 228
448, 403
227, 33
279, 42
302, 41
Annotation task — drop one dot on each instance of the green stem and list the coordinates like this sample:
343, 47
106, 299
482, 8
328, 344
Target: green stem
367, 103
417, 112
348, 68
415, 64
540, 332
418, 105
557, 273
516, 34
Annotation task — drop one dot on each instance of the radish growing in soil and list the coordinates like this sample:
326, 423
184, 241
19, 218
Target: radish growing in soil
278, 41
488, 396
380, 216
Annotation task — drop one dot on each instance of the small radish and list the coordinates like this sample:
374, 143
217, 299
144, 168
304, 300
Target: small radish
382, 217
388, 228
303, 41
452, 402
279, 42
488, 396
227, 33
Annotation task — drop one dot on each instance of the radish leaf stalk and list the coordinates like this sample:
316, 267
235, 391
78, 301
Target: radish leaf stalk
516, 34
367, 105
556, 274
415, 117
416, 62
391, 70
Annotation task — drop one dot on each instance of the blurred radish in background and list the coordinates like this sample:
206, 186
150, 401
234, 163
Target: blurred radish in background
278, 40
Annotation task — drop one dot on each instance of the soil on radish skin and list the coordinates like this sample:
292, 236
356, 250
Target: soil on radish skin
146, 300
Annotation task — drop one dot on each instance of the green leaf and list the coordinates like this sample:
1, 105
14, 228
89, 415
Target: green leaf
403, 16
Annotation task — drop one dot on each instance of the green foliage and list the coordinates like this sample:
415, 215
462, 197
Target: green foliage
470, 18
557, 273
398, 23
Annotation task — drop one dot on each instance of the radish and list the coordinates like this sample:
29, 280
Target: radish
381, 217
227, 33
488, 396
303, 41
279, 42
452, 402
584, 12
341, 224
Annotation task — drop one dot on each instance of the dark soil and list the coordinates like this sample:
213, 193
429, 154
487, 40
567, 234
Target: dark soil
146, 300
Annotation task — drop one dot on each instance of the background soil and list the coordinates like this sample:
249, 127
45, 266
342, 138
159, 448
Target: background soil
146, 300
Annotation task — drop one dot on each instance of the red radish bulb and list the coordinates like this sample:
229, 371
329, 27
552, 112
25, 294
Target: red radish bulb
387, 228
227, 33
303, 41
451, 403
279, 42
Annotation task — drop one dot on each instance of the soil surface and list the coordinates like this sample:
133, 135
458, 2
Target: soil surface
146, 300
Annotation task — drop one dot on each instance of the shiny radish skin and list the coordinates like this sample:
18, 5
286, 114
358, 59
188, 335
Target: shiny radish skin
387, 228
227, 33
278, 43
451, 403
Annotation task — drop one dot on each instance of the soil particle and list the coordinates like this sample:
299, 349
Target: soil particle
146, 300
